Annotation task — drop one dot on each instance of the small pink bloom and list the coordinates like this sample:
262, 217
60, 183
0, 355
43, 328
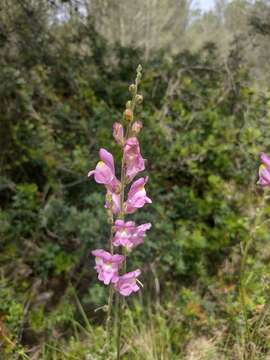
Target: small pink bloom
127, 283
118, 133
129, 235
113, 202
136, 127
134, 162
137, 196
139, 234
123, 233
264, 171
107, 265
104, 172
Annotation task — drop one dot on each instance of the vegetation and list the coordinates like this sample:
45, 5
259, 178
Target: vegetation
206, 117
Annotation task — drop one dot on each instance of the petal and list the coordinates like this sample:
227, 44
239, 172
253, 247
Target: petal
103, 173
90, 173
265, 160
107, 158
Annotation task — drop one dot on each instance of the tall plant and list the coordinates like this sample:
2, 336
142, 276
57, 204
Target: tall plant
120, 202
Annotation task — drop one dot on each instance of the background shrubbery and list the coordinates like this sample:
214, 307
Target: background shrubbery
206, 118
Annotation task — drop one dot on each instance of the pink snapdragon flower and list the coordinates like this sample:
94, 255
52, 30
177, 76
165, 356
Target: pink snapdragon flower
107, 265
137, 196
118, 133
136, 127
113, 202
123, 232
127, 283
134, 162
104, 172
129, 235
139, 235
264, 171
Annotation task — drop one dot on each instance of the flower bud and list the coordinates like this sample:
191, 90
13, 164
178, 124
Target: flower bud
136, 127
128, 105
128, 114
118, 133
139, 68
132, 88
139, 99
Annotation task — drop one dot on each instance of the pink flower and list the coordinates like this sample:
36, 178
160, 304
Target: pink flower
107, 265
104, 172
118, 133
113, 202
134, 162
136, 127
123, 232
139, 235
129, 235
137, 196
264, 171
127, 283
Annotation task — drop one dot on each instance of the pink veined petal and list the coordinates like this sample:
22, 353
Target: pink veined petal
107, 158
90, 173
132, 156
125, 290
136, 185
131, 274
98, 252
118, 133
265, 160
119, 223
264, 176
103, 173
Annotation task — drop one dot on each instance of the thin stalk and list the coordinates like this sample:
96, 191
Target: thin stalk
109, 314
121, 301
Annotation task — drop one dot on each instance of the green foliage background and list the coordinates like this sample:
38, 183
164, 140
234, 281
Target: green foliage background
205, 123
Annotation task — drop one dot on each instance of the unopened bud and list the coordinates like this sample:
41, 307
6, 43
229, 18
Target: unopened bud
139, 99
128, 115
118, 133
136, 127
139, 68
128, 105
132, 88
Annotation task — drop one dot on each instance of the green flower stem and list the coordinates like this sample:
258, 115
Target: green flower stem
120, 300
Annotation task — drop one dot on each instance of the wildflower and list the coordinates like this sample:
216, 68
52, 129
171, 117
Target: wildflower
118, 133
127, 283
129, 235
107, 265
113, 202
136, 127
134, 162
264, 171
123, 233
139, 235
104, 172
137, 196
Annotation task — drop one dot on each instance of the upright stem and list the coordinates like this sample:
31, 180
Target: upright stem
120, 300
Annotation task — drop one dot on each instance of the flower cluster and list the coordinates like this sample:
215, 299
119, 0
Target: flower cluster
125, 234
